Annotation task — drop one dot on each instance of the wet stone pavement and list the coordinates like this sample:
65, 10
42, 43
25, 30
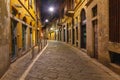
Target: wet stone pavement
62, 62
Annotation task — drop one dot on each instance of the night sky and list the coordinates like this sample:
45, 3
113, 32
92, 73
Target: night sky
45, 14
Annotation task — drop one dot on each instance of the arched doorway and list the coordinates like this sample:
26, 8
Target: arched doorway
83, 29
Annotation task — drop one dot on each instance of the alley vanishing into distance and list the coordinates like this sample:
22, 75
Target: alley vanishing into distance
59, 39
58, 61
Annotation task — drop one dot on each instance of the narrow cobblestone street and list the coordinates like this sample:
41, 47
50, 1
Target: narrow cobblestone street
60, 62
59, 39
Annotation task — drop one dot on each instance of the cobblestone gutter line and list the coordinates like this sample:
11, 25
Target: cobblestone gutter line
29, 68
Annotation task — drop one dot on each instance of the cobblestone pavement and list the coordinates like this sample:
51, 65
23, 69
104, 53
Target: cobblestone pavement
59, 62
17, 68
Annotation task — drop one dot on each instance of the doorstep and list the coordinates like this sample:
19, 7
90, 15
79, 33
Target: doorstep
115, 68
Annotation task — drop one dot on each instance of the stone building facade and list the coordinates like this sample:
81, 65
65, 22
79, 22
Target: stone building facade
23, 26
93, 27
4, 35
19, 29
98, 29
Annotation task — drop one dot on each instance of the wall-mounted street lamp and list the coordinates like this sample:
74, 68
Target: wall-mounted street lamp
56, 30
38, 28
51, 28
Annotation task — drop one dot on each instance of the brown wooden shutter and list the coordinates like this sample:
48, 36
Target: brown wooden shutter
114, 20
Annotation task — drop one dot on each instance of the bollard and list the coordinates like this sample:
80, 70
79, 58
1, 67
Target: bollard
46, 41
41, 45
32, 52
38, 47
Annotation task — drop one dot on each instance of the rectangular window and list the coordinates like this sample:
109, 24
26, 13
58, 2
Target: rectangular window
114, 21
115, 58
94, 11
30, 3
72, 4
14, 11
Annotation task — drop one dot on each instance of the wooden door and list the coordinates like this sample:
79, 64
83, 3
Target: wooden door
95, 39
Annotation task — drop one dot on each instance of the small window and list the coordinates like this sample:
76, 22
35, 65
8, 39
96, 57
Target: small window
30, 4
76, 21
94, 11
115, 58
14, 11
30, 30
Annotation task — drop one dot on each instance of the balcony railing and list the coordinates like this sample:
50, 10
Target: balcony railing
70, 13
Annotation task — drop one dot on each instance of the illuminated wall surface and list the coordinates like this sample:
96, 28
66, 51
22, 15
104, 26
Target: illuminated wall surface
91, 22
18, 29
24, 10
22, 6
51, 36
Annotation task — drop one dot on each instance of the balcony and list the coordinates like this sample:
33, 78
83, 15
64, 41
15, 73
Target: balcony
70, 13
59, 24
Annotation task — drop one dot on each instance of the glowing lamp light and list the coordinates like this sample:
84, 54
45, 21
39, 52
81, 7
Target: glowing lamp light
46, 20
51, 9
